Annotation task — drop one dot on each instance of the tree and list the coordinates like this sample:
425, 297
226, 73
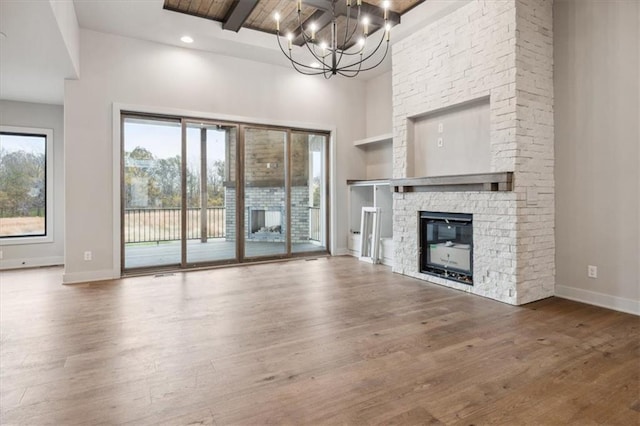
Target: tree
166, 175
22, 183
215, 183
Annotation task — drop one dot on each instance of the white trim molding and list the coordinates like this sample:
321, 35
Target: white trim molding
83, 277
31, 263
616, 303
49, 184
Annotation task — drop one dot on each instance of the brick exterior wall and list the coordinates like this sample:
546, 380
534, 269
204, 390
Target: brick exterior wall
271, 198
264, 180
503, 50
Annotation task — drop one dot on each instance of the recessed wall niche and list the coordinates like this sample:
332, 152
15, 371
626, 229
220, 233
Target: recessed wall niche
450, 141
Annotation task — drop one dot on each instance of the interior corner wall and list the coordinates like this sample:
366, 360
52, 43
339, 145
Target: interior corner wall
24, 114
128, 71
379, 121
597, 139
379, 105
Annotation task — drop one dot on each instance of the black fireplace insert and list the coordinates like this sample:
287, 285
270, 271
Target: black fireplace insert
446, 245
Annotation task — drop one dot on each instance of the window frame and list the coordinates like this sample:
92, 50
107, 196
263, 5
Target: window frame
48, 236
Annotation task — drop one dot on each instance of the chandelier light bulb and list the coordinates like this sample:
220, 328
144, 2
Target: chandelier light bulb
336, 55
385, 6
313, 27
276, 16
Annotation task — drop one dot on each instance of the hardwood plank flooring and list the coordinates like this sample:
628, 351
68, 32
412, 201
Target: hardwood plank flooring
328, 341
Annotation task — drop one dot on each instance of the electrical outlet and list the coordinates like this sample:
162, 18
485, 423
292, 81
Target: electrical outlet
88, 255
592, 271
440, 143
440, 127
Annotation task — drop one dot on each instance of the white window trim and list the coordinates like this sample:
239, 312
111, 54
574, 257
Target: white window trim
10, 241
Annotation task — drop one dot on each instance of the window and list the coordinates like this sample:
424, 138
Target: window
25, 185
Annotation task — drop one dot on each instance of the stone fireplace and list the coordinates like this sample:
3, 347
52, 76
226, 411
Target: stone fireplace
473, 93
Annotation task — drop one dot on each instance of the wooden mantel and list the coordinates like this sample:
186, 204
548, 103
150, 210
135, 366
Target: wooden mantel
501, 181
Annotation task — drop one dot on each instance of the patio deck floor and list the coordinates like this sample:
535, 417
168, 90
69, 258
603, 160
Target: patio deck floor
168, 253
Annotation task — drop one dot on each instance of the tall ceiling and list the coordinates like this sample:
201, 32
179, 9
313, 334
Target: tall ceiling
259, 14
34, 54
40, 49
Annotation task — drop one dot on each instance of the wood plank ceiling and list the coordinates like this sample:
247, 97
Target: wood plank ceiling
258, 14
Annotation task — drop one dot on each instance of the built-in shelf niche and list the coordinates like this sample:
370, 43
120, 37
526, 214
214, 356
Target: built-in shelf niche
378, 154
454, 140
371, 193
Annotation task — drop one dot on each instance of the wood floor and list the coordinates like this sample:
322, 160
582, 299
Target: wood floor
330, 341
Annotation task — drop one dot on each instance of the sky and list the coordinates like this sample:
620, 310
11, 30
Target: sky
30, 144
164, 141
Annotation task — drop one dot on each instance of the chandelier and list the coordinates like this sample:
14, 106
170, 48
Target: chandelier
347, 53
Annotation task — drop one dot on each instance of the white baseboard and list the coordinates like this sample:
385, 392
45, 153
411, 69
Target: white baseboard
387, 261
621, 304
342, 251
31, 263
83, 277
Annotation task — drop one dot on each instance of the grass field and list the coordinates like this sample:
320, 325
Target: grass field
15, 226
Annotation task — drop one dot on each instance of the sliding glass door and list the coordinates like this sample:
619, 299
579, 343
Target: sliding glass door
198, 192
308, 192
209, 193
151, 192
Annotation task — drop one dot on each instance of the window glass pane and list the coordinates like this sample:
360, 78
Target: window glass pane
22, 185
211, 220
264, 193
308, 212
152, 198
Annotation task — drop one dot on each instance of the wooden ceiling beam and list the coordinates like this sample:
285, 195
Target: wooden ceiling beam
320, 17
238, 14
375, 13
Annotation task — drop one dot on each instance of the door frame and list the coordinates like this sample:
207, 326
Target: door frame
122, 110
184, 264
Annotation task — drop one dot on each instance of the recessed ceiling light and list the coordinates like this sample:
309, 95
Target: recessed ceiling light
314, 65
186, 39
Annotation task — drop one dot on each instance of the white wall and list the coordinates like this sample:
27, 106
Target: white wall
596, 77
379, 105
65, 15
379, 121
123, 70
23, 114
